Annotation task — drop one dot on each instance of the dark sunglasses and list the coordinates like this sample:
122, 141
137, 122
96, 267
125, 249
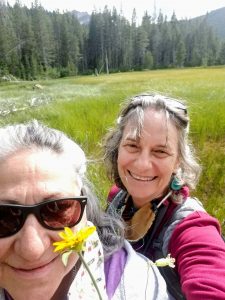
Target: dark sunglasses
51, 214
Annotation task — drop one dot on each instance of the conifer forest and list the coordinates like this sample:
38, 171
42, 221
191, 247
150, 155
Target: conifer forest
35, 43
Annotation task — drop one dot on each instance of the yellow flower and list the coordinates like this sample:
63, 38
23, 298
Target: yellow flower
73, 241
163, 262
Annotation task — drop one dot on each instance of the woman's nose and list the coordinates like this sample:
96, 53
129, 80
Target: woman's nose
32, 240
145, 160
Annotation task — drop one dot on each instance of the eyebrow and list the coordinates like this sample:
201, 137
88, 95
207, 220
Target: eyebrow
9, 201
131, 138
51, 197
163, 146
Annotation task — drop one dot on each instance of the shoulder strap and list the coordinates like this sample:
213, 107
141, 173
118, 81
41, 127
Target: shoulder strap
169, 274
115, 206
160, 244
181, 211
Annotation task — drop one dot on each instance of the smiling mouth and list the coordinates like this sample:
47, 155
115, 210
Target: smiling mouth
142, 178
32, 269
36, 268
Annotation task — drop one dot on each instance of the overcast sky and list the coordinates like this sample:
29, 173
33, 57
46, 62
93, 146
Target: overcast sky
182, 8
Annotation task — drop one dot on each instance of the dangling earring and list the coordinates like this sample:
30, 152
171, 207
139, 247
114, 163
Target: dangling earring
176, 183
179, 190
176, 187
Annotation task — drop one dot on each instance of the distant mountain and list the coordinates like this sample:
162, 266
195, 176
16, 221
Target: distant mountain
83, 17
216, 19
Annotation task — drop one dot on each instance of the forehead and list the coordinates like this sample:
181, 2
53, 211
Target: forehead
152, 124
34, 159
36, 174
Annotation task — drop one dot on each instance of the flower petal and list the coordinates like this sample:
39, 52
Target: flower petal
73, 241
65, 257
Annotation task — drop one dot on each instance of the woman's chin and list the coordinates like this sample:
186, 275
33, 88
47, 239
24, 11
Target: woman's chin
33, 294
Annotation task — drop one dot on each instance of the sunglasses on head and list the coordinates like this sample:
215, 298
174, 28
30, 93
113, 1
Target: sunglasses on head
51, 214
176, 104
170, 104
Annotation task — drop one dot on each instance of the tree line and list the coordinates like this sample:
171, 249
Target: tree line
36, 43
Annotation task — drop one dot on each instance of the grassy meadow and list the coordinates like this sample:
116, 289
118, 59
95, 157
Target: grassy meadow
85, 107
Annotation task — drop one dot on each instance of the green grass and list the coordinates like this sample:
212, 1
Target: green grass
85, 107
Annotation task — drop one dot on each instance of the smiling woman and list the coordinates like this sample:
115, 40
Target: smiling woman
150, 159
44, 189
145, 164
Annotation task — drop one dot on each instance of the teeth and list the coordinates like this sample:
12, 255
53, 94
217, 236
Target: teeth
141, 178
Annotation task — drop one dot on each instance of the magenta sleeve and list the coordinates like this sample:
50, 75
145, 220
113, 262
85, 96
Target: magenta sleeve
112, 193
199, 251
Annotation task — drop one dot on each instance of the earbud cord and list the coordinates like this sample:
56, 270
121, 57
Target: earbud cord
164, 199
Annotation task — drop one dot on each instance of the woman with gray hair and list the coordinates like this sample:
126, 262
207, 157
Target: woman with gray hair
43, 190
149, 157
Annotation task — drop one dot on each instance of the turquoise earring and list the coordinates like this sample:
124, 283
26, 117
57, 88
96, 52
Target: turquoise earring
176, 183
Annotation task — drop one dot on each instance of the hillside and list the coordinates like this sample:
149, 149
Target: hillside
216, 19
83, 17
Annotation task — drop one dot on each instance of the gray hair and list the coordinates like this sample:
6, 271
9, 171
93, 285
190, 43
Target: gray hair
133, 111
34, 135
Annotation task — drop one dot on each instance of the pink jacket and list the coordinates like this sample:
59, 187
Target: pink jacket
200, 257
194, 240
